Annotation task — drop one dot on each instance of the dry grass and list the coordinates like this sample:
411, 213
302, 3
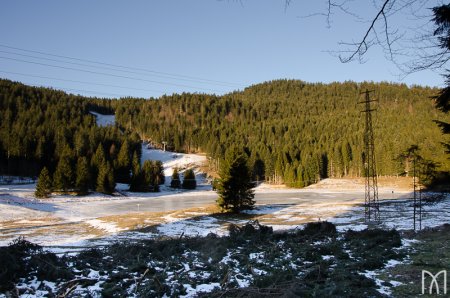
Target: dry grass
396, 183
139, 220
29, 223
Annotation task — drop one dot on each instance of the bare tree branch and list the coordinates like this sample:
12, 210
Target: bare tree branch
388, 29
362, 46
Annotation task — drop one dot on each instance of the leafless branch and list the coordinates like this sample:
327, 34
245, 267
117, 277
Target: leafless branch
386, 32
394, 27
362, 46
332, 6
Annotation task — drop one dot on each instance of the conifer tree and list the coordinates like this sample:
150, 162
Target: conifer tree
99, 157
189, 181
63, 179
83, 176
160, 172
136, 181
124, 163
148, 175
44, 184
110, 178
442, 21
175, 183
105, 179
235, 185
155, 187
97, 160
149, 180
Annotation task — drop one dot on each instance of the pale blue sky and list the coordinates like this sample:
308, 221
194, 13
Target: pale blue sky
242, 43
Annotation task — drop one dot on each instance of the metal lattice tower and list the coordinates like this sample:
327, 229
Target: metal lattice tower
371, 204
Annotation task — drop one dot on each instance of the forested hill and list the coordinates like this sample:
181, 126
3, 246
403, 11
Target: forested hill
294, 132
45, 127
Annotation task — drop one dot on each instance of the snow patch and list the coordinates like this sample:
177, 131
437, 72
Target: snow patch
104, 120
202, 288
103, 225
373, 276
198, 227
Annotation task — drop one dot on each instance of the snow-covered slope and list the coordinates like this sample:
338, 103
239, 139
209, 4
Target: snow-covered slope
104, 120
172, 160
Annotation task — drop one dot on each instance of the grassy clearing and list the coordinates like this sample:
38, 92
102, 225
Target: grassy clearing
251, 261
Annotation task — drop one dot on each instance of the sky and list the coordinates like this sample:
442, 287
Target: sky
141, 48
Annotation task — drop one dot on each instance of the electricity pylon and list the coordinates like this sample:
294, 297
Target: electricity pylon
371, 204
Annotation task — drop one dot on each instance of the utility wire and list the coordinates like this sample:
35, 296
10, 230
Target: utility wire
113, 69
121, 66
107, 74
75, 81
69, 90
89, 91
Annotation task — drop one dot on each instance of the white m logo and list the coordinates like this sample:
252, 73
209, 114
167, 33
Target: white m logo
434, 282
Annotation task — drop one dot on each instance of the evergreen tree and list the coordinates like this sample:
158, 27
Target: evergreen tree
99, 157
442, 21
290, 178
137, 181
63, 179
150, 176
160, 172
189, 181
110, 178
83, 176
235, 185
105, 179
44, 184
155, 187
175, 183
124, 163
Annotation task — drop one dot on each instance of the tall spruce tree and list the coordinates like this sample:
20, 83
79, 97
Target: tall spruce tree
83, 176
44, 184
189, 181
442, 21
137, 179
235, 184
150, 178
63, 178
175, 183
105, 179
99, 157
97, 160
160, 172
124, 163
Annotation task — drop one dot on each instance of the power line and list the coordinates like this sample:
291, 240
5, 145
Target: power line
76, 81
107, 74
121, 66
68, 90
113, 69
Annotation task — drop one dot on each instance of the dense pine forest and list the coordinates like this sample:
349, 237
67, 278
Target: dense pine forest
296, 132
293, 132
41, 127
